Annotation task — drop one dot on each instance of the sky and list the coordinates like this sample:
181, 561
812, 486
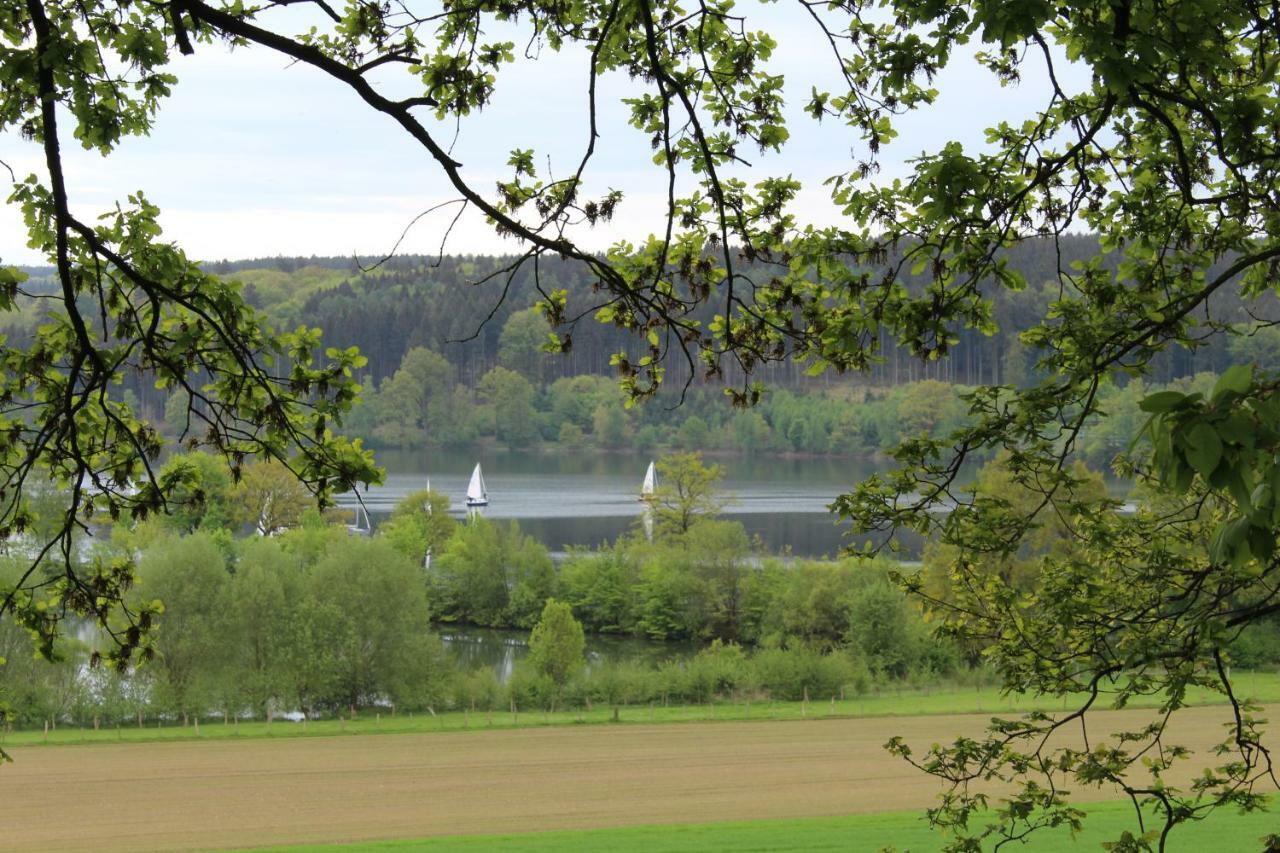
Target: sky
254, 157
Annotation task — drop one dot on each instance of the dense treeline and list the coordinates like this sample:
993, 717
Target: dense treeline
441, 370
427, 302
420, 405
306, 616
324, 623
269, 607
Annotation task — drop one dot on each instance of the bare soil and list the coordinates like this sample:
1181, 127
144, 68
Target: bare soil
228, 793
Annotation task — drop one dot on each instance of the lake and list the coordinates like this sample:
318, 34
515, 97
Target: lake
473, 649
585, 499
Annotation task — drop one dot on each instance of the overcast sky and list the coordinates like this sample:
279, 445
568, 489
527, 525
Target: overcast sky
254, 157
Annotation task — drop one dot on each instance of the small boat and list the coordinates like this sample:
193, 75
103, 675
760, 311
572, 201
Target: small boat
361, 525
477, 495
426, 561
650, 484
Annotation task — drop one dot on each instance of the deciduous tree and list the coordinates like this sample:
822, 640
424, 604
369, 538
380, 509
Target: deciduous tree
556, 643
687, 491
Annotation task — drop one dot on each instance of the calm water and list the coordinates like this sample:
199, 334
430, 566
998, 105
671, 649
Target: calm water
474, 649
590, 498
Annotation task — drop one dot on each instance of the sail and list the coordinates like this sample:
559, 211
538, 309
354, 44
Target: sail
360, 526
476, 490
650, 482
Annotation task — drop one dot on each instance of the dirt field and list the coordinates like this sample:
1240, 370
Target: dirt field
166, 796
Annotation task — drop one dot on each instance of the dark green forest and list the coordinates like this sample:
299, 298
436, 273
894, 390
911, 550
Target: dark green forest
454, 363
425, 302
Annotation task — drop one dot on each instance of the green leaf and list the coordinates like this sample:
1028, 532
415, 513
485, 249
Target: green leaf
1162, 401
1204, 448
1236, 379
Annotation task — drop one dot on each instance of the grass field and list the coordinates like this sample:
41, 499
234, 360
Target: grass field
1263, 687
324, 790
905, 831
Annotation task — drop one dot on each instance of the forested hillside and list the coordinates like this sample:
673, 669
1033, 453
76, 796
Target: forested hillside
427, 302
455, 356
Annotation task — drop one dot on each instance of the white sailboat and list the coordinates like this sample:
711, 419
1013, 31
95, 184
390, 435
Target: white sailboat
477, 495
650, 484
426, 561
361, 525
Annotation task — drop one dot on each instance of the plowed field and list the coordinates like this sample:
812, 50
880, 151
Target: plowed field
194, 795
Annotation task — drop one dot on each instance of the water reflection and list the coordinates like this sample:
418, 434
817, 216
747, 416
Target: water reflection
587, 499
473, 649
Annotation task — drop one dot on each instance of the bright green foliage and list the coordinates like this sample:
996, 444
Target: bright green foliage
491, 574
521, 345
269, 499
126, 303
419, 525
371, 607
188, 578
407, 403
556, 643
687, 491
264, 605
510, 396
875, 831
203, 498
601, 588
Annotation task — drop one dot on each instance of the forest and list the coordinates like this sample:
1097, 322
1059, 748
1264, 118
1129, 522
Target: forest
448, 364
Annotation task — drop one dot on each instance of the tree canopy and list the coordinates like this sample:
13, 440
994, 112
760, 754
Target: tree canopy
1163, 145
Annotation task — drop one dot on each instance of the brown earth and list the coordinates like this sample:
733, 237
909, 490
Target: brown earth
191, 795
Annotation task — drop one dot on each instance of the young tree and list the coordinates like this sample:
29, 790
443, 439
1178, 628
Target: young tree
269, 498
419, 525
556, 643
687, 491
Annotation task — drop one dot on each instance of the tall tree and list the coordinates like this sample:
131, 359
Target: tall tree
520, 348
511, 396
409, 400
187, 579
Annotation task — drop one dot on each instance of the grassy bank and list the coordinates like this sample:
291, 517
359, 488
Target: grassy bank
903, 831
1263, 687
